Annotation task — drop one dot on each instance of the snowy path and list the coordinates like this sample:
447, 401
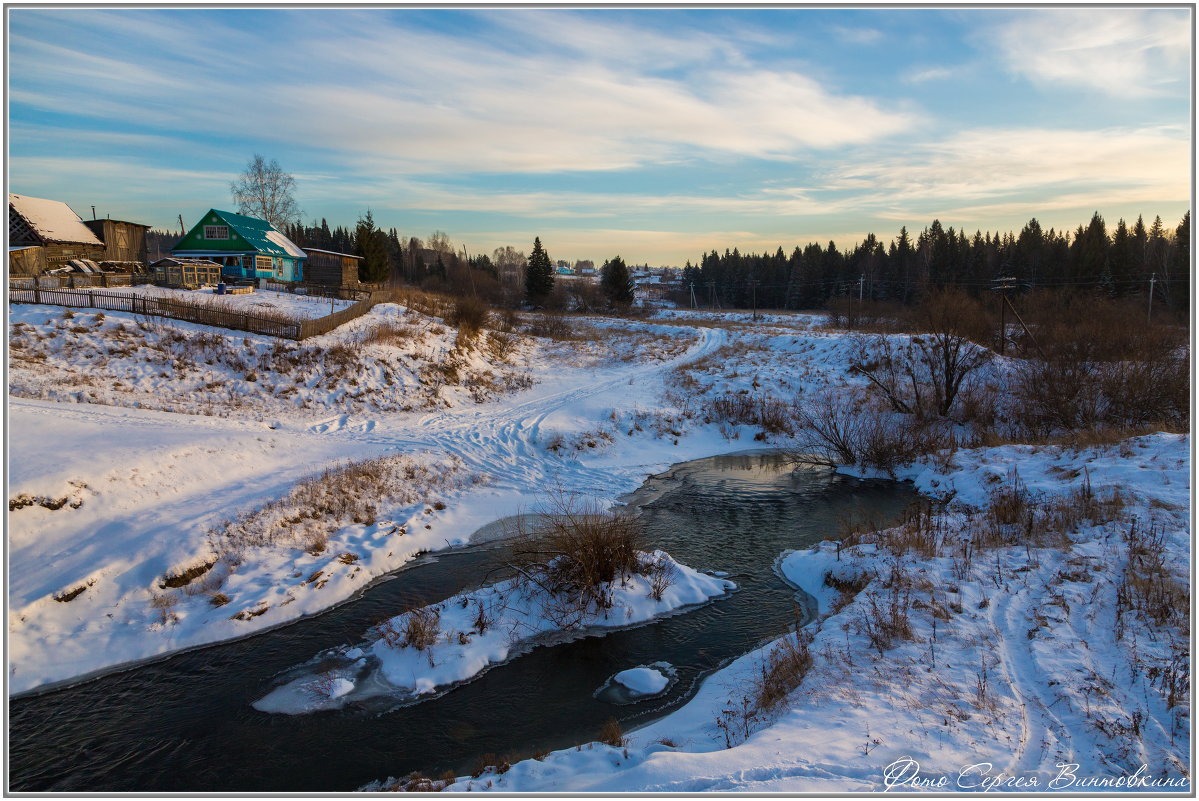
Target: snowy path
156, 482
504, 439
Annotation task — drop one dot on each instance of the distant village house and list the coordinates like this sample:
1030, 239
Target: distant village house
245, 247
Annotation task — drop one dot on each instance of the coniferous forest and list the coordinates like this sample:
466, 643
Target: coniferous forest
1117, 262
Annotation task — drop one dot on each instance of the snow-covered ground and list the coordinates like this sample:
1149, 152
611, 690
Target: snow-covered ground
158, 486
1025, 669
268, 301
144, 456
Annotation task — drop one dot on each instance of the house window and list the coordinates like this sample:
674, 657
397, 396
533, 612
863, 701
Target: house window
216, 232
262, 262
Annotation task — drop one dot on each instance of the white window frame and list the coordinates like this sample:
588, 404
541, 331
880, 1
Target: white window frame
209, 230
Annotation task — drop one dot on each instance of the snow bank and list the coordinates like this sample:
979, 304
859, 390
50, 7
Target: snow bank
477, 630
1025, 667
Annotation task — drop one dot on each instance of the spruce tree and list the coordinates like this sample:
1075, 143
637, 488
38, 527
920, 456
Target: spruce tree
616, 283
539, 278
371, 245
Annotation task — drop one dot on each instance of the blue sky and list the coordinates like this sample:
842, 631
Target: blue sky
654, 134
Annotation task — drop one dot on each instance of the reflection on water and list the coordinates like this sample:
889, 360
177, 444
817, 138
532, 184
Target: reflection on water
185, 723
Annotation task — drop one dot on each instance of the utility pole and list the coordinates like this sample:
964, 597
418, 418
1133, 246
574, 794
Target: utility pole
692, 285
753, 288
1152, 281
181, 231
1003, 286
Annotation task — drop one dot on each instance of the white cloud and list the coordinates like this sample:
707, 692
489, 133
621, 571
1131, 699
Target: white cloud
1116, 51
575, 94
996, 169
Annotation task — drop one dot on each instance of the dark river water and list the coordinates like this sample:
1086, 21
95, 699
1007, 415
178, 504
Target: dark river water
185, 723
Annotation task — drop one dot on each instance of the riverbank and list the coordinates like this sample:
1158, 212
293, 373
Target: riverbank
426, 649
126, 568
944, 663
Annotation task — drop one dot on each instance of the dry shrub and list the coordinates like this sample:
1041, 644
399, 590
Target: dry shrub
661, 573
922, 532
1010, 503
745, 408
847, 312
1093, 363
572, 556
1150, 589
422, 626
845, 427
924, 374
611, 734
430, 304
318, 506
782, 670
468, 315
551, 326
386, 333
503, 346
885, 616
163, 603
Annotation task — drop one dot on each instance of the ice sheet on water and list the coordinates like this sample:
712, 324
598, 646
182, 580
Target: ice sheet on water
638, 683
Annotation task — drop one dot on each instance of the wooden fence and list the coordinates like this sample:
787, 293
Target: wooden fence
318, 290
195, 312
157, 307
71, 281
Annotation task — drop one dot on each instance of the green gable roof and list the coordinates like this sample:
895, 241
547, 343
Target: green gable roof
261, 235
258, 235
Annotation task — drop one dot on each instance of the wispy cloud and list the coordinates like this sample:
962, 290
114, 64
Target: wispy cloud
859, 36
430, 102
985, 169
1115, 51
660, 129
923, 74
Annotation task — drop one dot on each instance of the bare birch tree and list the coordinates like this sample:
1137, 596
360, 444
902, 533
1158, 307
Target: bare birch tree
265, 191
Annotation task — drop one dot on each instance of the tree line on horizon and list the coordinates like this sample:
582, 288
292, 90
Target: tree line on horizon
1117, 265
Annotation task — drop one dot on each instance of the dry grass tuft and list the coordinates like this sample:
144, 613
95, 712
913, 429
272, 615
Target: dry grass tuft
572, 556
612, 734
318, 506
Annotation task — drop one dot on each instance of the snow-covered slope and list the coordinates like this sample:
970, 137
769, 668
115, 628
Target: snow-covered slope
1020, 653
1028, 666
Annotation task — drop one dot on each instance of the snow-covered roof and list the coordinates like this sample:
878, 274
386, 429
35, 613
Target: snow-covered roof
52, 220
285, 243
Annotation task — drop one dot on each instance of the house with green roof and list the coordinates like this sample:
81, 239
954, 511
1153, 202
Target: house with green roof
245, 247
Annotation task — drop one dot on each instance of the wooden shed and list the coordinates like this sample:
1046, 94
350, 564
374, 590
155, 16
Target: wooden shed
186, 273
332, 269
26, 260
51, 225
124, 241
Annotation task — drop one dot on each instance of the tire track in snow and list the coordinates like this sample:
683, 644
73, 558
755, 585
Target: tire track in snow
505, 442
